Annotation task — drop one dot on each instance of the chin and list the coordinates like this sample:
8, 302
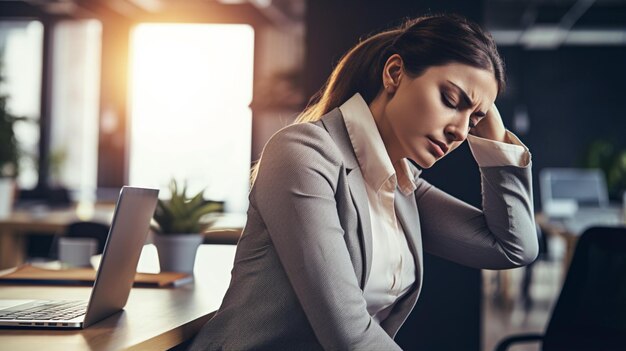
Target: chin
424, 163
426, 166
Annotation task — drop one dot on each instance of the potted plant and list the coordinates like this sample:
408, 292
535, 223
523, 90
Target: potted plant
9, 157
179, 228
607, 156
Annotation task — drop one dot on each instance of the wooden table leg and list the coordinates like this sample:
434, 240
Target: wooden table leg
12, 249
570, 246
503, 288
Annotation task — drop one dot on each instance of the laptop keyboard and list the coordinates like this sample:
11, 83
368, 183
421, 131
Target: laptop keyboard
53, 310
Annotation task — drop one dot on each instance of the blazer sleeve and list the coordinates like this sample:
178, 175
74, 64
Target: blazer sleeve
294, 194
503, 235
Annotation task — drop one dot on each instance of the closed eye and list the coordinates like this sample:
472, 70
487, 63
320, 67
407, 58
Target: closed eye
473, 123
446, 101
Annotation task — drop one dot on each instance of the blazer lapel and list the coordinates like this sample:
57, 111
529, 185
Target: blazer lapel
333, 122
336, 127
359, 196
406, 210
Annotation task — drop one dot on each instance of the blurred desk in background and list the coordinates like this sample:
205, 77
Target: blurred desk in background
225, 228
569, 229
42, 220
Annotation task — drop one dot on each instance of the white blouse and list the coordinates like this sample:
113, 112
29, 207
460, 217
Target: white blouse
393, 268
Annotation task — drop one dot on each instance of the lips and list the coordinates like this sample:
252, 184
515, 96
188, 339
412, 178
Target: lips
440, 147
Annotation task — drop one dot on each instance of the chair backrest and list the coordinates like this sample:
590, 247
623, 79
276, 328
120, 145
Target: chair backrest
590, 313
98, 231
563, 187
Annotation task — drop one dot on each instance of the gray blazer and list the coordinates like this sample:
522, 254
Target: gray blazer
305, 254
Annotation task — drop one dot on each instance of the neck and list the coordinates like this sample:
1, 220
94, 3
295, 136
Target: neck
378, 107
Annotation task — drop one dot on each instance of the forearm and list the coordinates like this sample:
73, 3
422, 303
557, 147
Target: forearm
500, 236
508, 210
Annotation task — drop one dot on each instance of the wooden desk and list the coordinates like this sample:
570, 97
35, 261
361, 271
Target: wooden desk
570, 232
153, 319
44, 221
553, 229
226, 228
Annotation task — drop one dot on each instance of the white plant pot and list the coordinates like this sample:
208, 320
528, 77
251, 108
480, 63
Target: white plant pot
7, 196
177, 252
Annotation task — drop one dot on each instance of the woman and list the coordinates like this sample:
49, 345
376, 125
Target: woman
331, 256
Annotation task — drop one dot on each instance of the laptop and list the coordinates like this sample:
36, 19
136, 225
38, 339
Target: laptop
566, 190
578, 198
114, 279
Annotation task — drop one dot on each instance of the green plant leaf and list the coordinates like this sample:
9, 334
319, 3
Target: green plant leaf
182, 214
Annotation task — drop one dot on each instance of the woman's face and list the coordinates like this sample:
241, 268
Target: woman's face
426, 117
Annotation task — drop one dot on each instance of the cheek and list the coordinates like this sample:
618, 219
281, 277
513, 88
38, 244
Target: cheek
401, 114
416, 114
408, 111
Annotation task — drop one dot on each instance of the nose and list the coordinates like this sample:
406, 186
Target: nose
458, 129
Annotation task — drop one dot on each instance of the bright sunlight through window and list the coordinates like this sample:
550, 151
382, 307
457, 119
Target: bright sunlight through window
190, 115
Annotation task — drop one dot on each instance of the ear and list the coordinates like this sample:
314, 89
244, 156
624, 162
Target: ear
392, 73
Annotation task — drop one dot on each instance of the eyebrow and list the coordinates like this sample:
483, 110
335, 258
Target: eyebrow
467, 99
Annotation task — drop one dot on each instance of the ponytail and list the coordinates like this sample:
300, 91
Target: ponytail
358, 71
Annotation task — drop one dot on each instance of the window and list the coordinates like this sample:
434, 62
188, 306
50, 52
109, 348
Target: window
75, 104
21, 45
190, 117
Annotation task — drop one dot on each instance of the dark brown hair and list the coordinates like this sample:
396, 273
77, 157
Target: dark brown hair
422, 42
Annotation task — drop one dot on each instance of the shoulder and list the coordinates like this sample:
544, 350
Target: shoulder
307, 131
302, 142
299, 155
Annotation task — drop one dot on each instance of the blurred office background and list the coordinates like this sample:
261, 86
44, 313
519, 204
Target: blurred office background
136, 92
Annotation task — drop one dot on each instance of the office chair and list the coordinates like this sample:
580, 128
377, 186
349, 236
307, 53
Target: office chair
95, 230
590, 313
86, 229
40, 245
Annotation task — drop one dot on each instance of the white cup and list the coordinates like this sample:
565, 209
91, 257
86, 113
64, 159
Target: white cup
6, 197
77, 252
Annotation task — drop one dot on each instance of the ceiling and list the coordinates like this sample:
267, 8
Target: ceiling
549, 24
276, 12
533, 24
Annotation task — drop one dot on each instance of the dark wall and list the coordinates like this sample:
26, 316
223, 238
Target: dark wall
447, 315
574, 95
333, 27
